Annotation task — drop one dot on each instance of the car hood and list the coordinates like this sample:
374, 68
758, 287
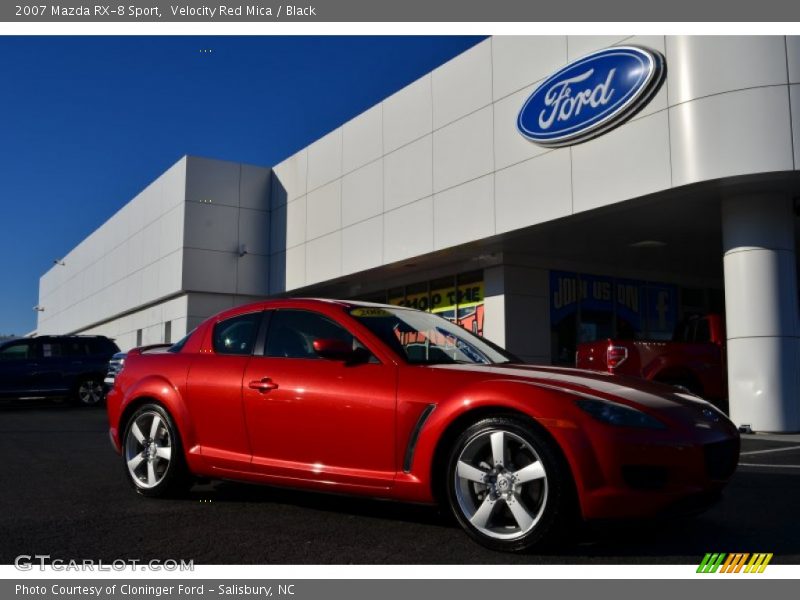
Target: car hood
655, 396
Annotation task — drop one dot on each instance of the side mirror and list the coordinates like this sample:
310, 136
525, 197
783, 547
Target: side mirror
338, 350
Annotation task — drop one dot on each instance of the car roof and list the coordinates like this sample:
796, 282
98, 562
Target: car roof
71, 337
301, 303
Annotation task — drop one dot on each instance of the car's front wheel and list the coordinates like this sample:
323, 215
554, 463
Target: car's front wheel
154, 461
508, 486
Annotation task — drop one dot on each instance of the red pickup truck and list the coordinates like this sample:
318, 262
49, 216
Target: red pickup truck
693, 359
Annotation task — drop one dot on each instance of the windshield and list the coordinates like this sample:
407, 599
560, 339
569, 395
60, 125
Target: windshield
423, 338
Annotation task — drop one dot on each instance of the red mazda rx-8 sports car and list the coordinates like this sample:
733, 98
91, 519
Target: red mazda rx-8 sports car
391, 402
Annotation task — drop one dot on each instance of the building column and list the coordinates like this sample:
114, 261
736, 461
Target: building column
517, 311
761, 301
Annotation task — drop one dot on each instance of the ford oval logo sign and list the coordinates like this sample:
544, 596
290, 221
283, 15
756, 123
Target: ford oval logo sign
591, 95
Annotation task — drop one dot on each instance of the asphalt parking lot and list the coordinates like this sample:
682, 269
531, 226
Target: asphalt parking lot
64, 494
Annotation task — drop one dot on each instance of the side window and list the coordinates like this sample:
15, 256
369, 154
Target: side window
292, 333
236, 335
75, 347
17, 351
52, 349
93, 346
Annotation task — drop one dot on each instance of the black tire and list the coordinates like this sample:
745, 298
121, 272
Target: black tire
548, 501
169, 477
89, 391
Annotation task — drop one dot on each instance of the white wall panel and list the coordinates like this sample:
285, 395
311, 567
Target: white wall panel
408, 231
209, 270
795, 108
463, 150
324, 258
521, 60
793, 57
464, 213
362, 193
171, 229
580, 45
254, 187
639, 151
254, 231
535, 191
408, 114
212, 227
324, 210
325, 159
362, 139
462, 85
173, 185
362, 245
170, 269
252, 275
295, 222
704, 65
295, 274
731, 134
289, 178
212, 180
408, 174
510, 146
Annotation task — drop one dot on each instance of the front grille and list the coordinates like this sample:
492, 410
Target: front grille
645, 477
721, 458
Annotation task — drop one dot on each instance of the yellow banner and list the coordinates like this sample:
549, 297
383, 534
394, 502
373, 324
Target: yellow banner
444, 299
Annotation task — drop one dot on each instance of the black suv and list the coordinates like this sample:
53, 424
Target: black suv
56, 366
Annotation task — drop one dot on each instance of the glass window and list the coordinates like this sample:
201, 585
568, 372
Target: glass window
470, 308
292, 333
17, 351
78, 347
236, 335
456, 298
178, 346
52, 349
423, 338
95, 346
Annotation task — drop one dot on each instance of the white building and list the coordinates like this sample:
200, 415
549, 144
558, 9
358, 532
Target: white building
688, 206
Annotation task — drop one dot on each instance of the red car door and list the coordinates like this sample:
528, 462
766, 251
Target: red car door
214, 392
315, 418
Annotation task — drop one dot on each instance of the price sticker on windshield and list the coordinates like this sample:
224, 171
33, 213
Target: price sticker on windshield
370, 312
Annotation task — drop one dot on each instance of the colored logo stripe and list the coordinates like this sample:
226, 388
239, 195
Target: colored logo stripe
733, 563
710, 563
758, 563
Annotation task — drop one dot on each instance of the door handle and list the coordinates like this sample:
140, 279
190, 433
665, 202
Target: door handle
263, 385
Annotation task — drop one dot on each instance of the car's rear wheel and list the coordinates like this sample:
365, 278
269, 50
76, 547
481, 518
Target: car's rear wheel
89, 391
152, 453
508, 486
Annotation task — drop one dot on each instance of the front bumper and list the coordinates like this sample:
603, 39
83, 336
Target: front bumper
642, 473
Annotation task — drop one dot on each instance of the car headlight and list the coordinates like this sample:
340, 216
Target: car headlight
612, 413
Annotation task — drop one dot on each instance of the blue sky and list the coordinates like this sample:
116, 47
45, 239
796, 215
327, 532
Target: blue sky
87, 122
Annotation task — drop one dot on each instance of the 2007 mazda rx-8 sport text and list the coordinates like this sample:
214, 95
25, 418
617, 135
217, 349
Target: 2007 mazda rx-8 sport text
391, 402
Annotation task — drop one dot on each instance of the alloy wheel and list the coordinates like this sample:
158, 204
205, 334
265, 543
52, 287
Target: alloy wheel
500, 484
90, 392
148, 449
